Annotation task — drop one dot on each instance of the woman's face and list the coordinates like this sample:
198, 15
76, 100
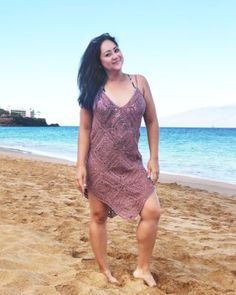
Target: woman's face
111, 56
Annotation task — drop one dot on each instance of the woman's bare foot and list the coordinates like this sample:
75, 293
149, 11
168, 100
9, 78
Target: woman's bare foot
146, 276
110, 277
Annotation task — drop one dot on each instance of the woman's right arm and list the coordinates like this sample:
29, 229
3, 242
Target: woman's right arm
83, 147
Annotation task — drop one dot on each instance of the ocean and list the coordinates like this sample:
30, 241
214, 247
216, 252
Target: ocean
208, 153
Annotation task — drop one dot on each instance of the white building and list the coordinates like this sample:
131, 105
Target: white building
18, 111
23, 112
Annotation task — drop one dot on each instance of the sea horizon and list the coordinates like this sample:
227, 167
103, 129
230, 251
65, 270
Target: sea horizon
201, 152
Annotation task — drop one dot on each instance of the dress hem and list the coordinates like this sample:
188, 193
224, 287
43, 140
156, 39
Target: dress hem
119, 213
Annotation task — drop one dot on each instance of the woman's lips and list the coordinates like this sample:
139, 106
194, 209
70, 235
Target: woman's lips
116, 62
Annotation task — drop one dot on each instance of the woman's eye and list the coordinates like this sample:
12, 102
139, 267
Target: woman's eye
117, 50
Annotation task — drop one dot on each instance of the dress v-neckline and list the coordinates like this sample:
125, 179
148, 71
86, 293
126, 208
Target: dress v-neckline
120, 107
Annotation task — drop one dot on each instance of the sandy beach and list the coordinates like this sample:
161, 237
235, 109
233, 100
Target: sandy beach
45, 250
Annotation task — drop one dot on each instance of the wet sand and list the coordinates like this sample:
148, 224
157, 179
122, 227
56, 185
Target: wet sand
45, 250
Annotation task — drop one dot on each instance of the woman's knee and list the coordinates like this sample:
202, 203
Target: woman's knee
151, 209
99, 217
154, 213
98, 210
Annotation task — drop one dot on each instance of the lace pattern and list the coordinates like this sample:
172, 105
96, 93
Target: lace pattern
115, 172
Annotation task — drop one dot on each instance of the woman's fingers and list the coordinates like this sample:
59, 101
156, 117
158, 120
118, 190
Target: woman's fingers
153, 170
154, 176
82, 184
81, 179
79, 186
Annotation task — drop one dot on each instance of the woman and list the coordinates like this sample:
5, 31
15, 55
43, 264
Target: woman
110, 172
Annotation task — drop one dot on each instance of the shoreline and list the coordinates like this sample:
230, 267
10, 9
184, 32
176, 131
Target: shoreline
45, 244
211, 186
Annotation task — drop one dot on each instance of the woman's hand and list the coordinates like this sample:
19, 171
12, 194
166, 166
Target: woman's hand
81, 174
153, 170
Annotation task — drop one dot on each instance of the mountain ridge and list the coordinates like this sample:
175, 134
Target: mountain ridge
213, 116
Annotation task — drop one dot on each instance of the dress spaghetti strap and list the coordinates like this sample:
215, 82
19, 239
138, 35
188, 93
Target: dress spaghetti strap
136, 80
132, 81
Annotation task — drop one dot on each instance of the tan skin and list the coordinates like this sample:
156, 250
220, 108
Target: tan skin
118, 86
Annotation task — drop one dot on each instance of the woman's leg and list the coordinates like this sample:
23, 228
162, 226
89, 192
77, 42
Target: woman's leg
146, 236
98, 234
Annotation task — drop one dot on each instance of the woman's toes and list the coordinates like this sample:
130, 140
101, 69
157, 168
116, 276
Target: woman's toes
110, 277
145, 276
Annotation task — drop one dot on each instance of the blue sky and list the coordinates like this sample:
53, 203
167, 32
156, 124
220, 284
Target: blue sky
186, 50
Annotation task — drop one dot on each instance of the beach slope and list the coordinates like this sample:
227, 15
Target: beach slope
44, 243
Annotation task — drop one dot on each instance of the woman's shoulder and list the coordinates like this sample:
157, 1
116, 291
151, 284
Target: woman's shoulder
140, 81
138, 77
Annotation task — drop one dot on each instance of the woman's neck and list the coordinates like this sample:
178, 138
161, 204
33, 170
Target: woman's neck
116, 76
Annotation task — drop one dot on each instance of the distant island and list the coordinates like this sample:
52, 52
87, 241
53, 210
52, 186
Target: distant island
14, 118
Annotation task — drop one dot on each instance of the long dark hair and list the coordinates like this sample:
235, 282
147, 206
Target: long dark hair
91, 75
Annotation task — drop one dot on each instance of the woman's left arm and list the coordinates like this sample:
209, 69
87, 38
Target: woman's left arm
152, 125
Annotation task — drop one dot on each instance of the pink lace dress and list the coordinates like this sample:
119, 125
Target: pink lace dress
115, 172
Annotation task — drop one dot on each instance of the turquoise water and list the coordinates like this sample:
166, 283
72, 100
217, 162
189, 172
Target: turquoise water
203, 152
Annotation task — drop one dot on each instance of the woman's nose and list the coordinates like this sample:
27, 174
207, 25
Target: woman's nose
114, 56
